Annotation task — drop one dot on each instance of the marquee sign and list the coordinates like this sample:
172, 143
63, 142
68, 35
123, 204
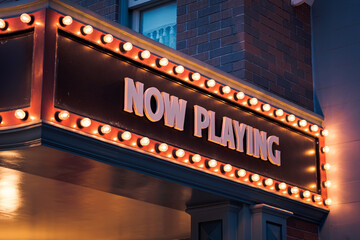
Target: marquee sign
106, 87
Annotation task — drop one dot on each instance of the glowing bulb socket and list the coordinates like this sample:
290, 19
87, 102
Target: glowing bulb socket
240, 173
86, 30
281, 186
125, 136
324, 133
294, 190
278, 112
21, 114
265, 107
195, 76
239, 96
126, 47
306, 194
314, 128
105, 129
290, 118
327, 202
327, 184
144, 142
66, 21
302, 123
211, 163
108, 38
62, 116
84, 123
254, 177
326, 166
179, 69
226, 168
253, 101
26, 18
195, 158
225, 89
268, 182
179, 153
325, 149
3, 24
316, 198
210, 83
144, 54
163, 62
163, 147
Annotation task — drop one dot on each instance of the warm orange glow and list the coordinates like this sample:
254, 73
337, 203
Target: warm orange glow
85, 122
180, 153
144, 141
255, 177
196, 158
126, 136
212, 163
63, 115
226, 89
86, 30
227, 168
145, 54
67, 20
127, 46
163, 147
20, 114
179, 69
2, 24
266, 107
210, 83
108, 38
253, 101
241, 173
195, 76
163, 62
269, 182
105, 129
290, 118
26, 18
279, 113
282, 186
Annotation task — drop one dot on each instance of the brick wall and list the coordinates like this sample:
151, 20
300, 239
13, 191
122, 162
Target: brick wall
265, 42
299, 229
106, 8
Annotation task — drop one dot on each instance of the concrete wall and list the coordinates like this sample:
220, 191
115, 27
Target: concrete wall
336, 41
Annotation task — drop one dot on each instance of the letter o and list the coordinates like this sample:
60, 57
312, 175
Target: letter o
153, 116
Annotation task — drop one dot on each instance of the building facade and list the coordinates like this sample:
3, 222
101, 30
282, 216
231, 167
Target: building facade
260, 50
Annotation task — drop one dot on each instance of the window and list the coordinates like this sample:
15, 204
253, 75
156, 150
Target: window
157, 22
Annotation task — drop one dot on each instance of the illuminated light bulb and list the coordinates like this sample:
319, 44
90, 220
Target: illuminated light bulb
266, 107
86, 30
105, 129
327, 184
126, 136
279, 112
314, 128
210, 83
195, 76
240, 95
282, 186
290, 118
163, 62
144, 141
253, 101
269, 182
196, 158
145, 54
306, 194
325, 149
179, 69
212, 163
227, 168
324, 133
326, 166
163, 147
180, 153
127, 46
85, 122
294, 190
255, 177
3, 24
25, 18
108, 38
63, 115
316, 198
328, 202
21, 114
66, 21
225, 89
302, 123
241, 173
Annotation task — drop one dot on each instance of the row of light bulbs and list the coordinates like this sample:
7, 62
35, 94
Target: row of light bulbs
210, 164
209, 83
163, 62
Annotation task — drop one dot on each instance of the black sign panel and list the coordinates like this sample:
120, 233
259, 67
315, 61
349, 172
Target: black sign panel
90, 82
16, 54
